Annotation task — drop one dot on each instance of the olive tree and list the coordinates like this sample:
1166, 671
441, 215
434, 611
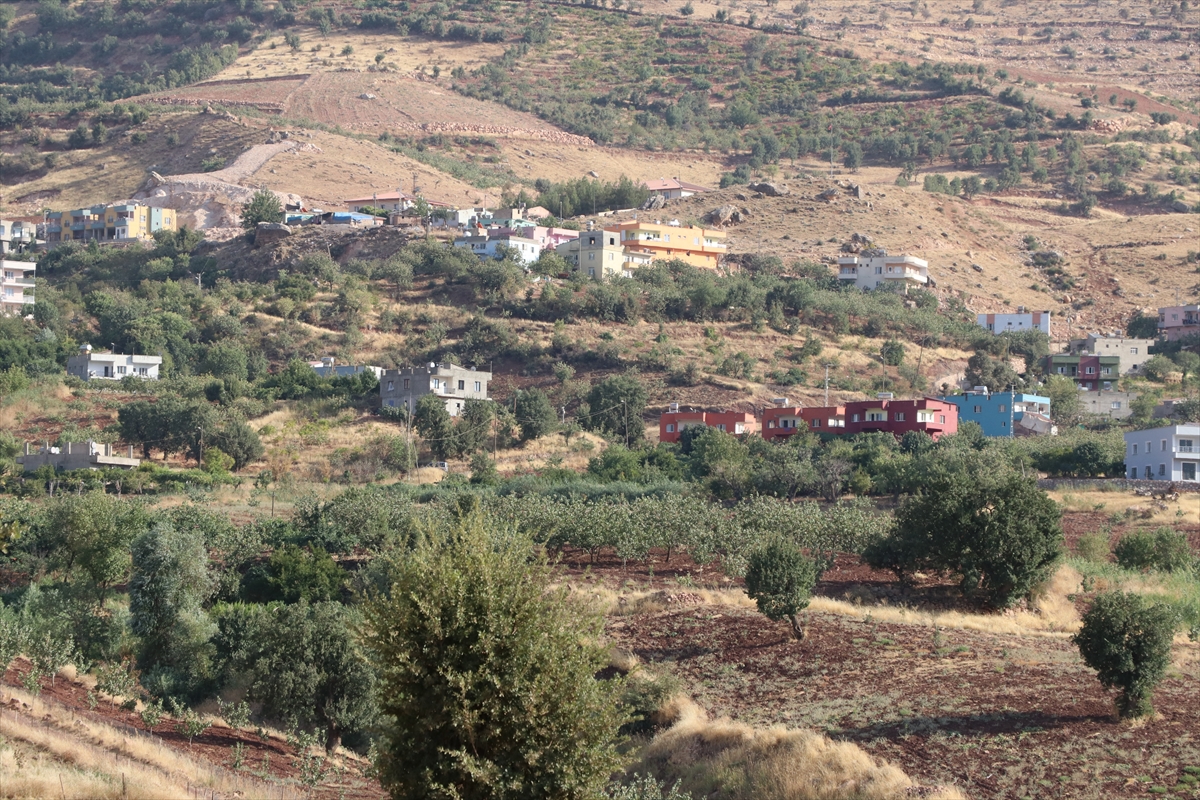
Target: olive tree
780, 580
1127, 640
487, 674
264, 206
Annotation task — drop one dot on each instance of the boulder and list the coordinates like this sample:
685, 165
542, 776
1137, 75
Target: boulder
654, 202
593, 174
858, 191
828, 195
769, 189
1047, 258
861, 238
268, 232
725, 215
1181, 207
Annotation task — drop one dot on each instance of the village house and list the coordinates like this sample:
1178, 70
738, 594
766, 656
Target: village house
674, 189
403, 388
1176, 322
16, 287
870, 271
700, 247
328, 367
1020, 321
884, 414
672, 423
89, 365
76, 455
1003, 413
1133, 353
1114, 405
1168, 454
108, 223
1090, 373
599, 254
486, 246
16, 235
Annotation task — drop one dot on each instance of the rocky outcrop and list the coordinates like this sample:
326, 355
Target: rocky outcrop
769, 189
725, 215
269, 232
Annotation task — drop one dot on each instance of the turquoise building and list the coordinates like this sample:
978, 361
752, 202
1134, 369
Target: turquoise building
998, 413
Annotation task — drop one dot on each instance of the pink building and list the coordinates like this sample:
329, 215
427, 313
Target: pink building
672, 424
1176, 322
883, 414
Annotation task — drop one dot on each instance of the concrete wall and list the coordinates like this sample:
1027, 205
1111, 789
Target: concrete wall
77, 455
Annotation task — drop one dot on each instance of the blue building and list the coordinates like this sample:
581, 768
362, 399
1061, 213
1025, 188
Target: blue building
1002, 413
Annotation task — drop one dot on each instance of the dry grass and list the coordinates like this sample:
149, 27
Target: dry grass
777, 763
1143, 509
53, 753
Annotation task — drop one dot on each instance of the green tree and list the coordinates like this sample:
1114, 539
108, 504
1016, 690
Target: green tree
780, 580
488, 683
1065, 406
534, 414
1189, 363
296, 574
264, 206
983, 521
1127, 640
91, 534
616, 405
166, 593
225, 360
239, 441
474, 428
309, 667
1158, 367
994, 373
483, 470
892, 353
1161, 549
434, 423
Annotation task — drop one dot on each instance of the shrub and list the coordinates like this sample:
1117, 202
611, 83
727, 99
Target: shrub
780, 579
264, 206
1161, 549
1094, 547
1127, 640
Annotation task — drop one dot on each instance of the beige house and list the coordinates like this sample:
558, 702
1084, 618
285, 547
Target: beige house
1133, 353
402, 388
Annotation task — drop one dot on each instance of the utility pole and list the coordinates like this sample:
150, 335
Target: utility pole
1012, 396
625, 413
826, 384
198, 284
200, 448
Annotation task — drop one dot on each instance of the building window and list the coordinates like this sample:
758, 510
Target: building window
1185, 445
1060, 370
120, 370
462, 386
391, 403
1106, 370
978, 409
1090, 370
719, 427
1003, 408
1117, 407
1133, 351
406, 383
1149, 447
816, 423
1162, 470
900, 416
391, 386
942, 418
478, 386
141, 371
1162, 446
670, 427
1189, 471
435, 384
738, 427
854, 418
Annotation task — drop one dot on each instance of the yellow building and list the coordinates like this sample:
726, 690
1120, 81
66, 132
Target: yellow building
109, 223
700, 247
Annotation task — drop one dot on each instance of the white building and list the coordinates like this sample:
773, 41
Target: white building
328, 367
1165, 454
112, 366
484, 246
869, 271
1021, 321
674, 189
15, 235
16, 287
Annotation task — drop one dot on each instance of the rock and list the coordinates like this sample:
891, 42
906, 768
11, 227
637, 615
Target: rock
769, 189
858, 191
977, 268
366, 96
593, 174
268, 232
874, 252
1181, 207
725, 215
828, 195
654, 202
861, 238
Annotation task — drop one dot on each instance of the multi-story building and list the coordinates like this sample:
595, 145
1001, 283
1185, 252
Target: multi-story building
672, 424
113, 223
16, 287
16, 235
396, 202
328, 367
1176, 322
1020, 321
700, 247
870, 271
883, 414
599, 254
90, 365
1167, 454
1133, 353
402, 388
1090, 373
998, 413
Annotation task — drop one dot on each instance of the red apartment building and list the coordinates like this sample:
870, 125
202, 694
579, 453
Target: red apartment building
671, 424
884, 414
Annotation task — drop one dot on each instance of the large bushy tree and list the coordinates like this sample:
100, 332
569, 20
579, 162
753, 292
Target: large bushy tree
986, 523
1127, 640
264, 206
615, 406
780, 580
487, 675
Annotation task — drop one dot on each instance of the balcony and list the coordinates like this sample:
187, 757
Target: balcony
27, 283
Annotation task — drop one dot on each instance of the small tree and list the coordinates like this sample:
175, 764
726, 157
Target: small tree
264, 206
487, 675
616, 405
892, 353
780, 579
534, 414
1127, 640
433, 422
